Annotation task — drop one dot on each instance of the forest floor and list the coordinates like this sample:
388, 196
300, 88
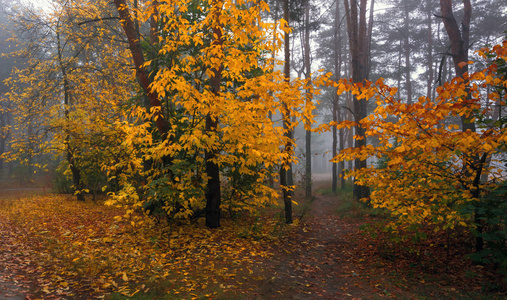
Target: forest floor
68, 252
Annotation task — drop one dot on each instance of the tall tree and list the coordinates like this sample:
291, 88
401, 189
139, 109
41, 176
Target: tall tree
338, 134
407, 50
134, 41
309, 96
213, 193
7, 64
65, 74
286, 168
359, 42
460, 40
429, 51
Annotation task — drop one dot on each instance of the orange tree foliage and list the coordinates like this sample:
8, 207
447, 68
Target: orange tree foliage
246, 141
76, 98
429, 169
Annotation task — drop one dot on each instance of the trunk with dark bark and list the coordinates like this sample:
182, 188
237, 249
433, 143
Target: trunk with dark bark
213, 193
286, 169
358, 44
459, 52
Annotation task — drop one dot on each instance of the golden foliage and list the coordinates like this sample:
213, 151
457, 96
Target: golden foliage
429, 167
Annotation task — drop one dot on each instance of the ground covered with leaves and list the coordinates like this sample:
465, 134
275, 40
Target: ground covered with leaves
56, 248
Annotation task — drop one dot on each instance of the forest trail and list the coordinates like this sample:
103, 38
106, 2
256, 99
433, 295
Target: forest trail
318, 261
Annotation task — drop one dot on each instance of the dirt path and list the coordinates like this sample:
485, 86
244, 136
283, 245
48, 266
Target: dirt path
318, 261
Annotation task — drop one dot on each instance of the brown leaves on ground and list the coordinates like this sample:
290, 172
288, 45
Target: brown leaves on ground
78, 250
54, 247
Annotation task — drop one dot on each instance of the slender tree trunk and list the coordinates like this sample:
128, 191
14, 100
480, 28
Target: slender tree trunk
336, 103
134, 42
398, 74
334, 169
369, 38
335, 97
429, 55
406, 38
76, 172
309, 96
285, 169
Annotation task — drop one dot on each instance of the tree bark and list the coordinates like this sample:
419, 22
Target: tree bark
136, 50
459, 52
429, 55
406, 38
358, 46
285, 167
309, 96
213, 193
336, 104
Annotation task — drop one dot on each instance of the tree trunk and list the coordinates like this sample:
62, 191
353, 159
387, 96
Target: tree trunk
76, 172
336, 103
459, 52
335, 98
134, 42
285, 169
213, 193
309, 96
429, 57
358, 46
406, 38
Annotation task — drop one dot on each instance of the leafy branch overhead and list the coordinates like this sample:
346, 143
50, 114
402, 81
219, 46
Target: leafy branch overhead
429, 170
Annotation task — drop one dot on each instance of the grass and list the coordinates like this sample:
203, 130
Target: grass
347, 207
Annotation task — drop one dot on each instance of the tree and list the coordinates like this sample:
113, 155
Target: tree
359, 42
7, 64
217, 89
309, 96
286, 167
431, 171
65, 101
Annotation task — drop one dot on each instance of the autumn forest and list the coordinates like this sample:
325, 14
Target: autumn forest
250, 149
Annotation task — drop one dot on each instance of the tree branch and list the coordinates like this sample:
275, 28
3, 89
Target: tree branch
98, 19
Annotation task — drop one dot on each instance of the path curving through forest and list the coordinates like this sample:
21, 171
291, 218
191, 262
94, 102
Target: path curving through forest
318, 261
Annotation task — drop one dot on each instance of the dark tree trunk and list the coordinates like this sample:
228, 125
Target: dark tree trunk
213, 193
358, 41
285, 169
133, 38
459, 51
407, 51
337, 134
429, 57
